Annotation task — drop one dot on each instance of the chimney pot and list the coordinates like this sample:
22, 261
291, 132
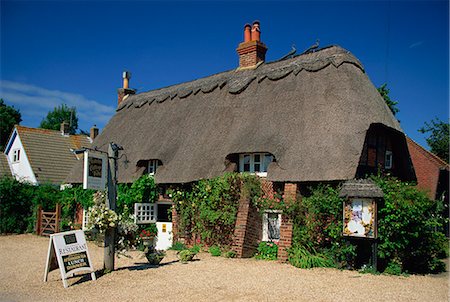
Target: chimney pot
252, 51
247, 33
93, 132
65, 128
256, 32
122, 93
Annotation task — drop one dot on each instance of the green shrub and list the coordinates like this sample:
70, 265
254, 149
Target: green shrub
142, 189
394, 268
267, 250
186, 255
408, 224
178, 246
230, 254
15, 205
317, 224
209, 207
301, 257
196, 248
215, 251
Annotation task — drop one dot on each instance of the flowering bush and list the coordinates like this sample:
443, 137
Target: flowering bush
101, 218
126, 234
267, 250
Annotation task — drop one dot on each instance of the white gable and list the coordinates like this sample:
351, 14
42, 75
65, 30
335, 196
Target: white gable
18, 160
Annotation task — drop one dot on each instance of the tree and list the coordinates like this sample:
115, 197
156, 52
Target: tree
9, 116
384, 91
438, 139
58, 115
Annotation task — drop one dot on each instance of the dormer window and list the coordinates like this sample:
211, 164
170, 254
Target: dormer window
388, 160
16, 155
153, 164
255, 163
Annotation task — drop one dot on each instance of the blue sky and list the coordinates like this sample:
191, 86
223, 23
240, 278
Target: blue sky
74, 52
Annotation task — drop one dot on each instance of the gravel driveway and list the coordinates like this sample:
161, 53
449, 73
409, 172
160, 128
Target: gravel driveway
22, 263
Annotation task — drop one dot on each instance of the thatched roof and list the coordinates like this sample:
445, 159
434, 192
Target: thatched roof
311, 112
361, 188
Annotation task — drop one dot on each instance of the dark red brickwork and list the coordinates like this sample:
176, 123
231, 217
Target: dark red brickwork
427, 167
290, 194
248, 229
251, 53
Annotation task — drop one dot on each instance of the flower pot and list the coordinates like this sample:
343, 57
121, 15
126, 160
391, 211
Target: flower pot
154, 258
148, 241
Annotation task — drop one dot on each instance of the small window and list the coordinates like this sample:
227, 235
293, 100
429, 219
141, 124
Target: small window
145, 213
16, 156
85, 218
152, 166
271, 225
388, 160
255, 163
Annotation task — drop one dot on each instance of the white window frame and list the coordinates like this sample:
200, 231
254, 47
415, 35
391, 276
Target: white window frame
388, 159
145, 213
16, 156
262, 163
153, 164
265, 222
85, 218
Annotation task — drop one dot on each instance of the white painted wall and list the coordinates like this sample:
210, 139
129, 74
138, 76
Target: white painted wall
21, 170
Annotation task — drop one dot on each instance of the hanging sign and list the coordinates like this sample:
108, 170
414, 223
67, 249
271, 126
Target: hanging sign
69, 252
360, 217
94, 173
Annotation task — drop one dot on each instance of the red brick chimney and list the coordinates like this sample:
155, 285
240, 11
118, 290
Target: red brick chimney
124, 91
94, 132
252, 51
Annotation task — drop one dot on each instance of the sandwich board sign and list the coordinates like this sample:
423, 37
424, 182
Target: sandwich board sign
69, 252
95, 169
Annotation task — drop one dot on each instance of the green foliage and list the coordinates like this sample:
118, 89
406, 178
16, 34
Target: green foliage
209, 207
394, 267
215, 251
15, 205
408, 228
302, 257
438, 139
384, 92
148, 230
267, 250
9, 116
178, 246
317, 225
196, 248
143, 189
186, 255
230, 254
61, 114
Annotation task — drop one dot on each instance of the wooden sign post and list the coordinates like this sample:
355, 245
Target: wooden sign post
69, 252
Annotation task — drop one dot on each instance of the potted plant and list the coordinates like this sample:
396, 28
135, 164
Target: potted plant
148, 234
154, 257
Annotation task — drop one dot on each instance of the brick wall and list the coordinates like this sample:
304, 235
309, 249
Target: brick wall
251, 53
426, 166
290, 194
248, 228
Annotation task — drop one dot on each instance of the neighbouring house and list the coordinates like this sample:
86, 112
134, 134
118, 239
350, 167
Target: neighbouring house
304, 119
41, 156
4, 166
432, 175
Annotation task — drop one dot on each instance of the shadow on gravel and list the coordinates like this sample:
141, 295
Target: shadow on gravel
143, 266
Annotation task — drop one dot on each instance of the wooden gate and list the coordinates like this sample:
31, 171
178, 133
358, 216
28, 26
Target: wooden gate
48, 222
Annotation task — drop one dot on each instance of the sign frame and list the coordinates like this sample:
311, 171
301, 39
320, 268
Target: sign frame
372, 209
69, 252
94, 170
